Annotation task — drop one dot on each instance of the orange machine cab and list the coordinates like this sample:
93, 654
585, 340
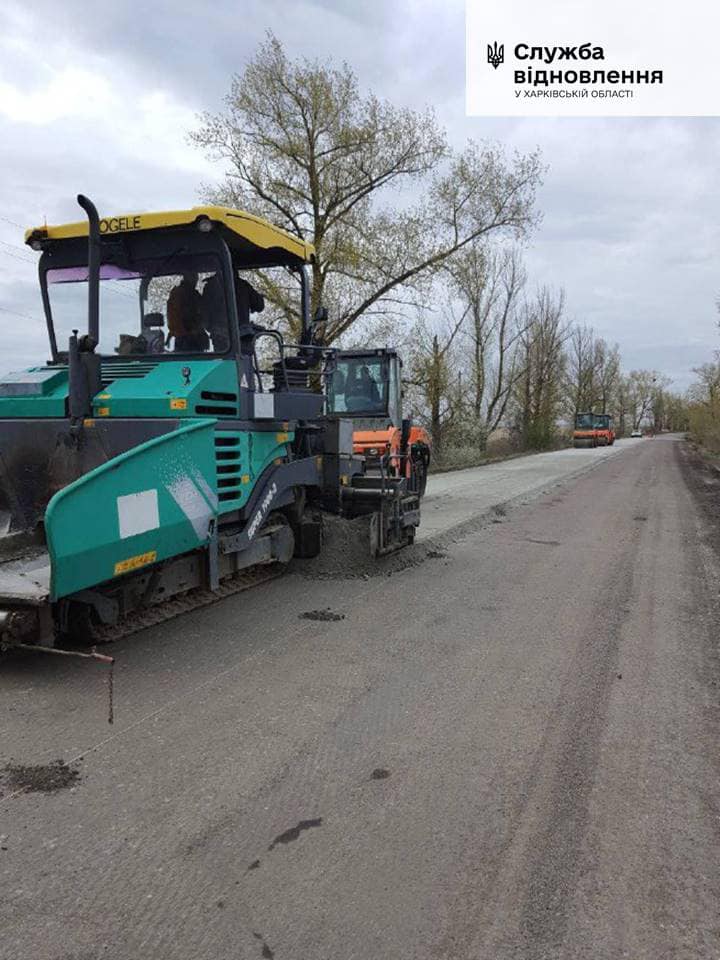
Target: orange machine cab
365, 386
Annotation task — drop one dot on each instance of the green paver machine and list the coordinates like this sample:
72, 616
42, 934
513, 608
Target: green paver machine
153, 463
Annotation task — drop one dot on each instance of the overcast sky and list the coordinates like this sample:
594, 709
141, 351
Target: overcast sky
97, 98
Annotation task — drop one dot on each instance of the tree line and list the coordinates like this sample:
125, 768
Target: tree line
418, 244
507, 362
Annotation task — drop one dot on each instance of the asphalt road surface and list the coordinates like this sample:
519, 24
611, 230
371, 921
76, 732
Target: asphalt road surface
457, 497
509, 750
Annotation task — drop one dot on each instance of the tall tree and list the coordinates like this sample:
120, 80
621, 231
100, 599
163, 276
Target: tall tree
539, 392
489, 283
435, 376
374, 186
593, 370
581, 370
703, 407
706, 388
641, 388
607, 373
621, 406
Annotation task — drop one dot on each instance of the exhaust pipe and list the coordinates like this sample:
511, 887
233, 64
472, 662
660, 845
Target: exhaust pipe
93, 267
83, 367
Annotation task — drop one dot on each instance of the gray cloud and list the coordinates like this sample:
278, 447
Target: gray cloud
631, 210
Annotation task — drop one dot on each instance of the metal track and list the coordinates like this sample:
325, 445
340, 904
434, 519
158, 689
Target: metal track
192, 600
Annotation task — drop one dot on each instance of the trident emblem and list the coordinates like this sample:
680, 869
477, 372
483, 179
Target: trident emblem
496, 54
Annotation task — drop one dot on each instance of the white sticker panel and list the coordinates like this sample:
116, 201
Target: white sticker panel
192, 503
138, 513
265, 406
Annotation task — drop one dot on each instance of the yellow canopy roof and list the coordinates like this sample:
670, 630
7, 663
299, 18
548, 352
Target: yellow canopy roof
260, 233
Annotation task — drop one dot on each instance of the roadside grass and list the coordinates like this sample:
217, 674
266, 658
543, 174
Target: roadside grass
710, 454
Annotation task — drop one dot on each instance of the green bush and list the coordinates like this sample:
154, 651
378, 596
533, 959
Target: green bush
500, 446
704, 419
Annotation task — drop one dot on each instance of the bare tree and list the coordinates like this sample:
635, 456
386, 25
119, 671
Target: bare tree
641, 387
593, 370
703, 405
306, 149
489, 284
607, 372
539, 391
581, 370
706, 389
435, 377
621, 406
675, 412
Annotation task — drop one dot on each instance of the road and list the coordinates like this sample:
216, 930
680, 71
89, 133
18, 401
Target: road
506, 751
453, 499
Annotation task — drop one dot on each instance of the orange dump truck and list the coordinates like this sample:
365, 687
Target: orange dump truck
365, 386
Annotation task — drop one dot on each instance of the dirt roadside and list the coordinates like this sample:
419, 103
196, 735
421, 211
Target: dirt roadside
702, 476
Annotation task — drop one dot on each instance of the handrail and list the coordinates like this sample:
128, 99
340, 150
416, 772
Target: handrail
274, 335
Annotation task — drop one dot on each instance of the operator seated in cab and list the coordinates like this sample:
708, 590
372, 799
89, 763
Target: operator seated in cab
198, 322
185, 316
214, 313
361, 391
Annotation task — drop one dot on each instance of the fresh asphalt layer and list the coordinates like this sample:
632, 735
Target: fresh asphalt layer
506, 751
456, 497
